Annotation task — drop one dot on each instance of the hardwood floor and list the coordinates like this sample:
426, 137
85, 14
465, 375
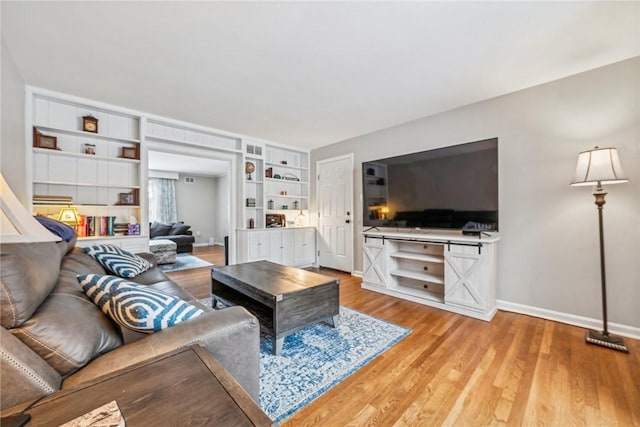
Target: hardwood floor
457, 371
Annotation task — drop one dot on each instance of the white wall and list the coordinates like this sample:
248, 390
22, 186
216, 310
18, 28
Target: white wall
548, 255
12, 150
222, 212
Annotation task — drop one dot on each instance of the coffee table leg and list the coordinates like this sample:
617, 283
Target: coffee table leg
276, 343
215, 302
336, 320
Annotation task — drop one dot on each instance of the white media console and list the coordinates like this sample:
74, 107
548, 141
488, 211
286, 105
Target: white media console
446, 270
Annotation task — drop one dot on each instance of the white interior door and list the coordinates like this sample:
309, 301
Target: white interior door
335, 212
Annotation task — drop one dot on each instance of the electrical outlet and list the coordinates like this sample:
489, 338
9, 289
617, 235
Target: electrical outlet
198, 233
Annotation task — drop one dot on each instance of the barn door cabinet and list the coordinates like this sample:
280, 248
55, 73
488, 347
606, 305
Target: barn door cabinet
445, 270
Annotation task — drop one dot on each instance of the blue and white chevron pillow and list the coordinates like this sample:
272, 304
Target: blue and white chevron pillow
118, 261
135, 307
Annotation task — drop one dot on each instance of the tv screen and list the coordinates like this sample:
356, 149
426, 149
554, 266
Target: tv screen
453, 187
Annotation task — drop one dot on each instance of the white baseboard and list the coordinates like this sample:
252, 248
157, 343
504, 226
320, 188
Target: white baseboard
207, 244
571, 319
356, 273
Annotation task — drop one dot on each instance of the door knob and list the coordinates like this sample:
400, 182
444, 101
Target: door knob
348, 221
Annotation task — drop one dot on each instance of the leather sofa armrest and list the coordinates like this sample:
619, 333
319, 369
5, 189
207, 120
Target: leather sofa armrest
23, 374
232, 335
149, 257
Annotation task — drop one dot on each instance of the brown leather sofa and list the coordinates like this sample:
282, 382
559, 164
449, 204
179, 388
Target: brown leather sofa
53, 337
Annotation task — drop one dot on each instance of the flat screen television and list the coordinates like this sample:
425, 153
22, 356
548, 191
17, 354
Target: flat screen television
454, 187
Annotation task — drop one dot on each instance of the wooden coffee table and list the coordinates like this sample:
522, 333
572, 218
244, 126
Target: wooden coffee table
185, 387
284, 299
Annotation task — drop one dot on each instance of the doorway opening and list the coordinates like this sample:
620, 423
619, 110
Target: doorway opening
193, 186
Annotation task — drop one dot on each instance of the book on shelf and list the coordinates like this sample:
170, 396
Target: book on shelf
81, 228
92, 226
120, 229
110, 223
45, 199
104, 226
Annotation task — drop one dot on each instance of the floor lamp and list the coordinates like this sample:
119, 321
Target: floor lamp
599, 167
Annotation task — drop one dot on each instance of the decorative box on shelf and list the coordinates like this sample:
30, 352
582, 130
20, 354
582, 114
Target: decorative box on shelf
133, 229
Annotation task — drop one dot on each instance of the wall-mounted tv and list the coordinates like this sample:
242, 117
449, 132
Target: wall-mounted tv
454, 187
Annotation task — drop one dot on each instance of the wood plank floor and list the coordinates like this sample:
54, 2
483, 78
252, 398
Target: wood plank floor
453, 370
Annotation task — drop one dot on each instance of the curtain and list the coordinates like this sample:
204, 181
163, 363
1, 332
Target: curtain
162, 200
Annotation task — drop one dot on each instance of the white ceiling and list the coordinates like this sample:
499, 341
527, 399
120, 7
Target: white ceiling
310, 73
188, 165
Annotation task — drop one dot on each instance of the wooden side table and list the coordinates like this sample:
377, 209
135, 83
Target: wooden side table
185, 387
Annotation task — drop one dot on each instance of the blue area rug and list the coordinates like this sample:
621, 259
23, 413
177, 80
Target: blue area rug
317, 358
185, 262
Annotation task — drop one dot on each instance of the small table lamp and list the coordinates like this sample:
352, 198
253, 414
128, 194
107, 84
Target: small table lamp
69, 215
598, 167
384, 211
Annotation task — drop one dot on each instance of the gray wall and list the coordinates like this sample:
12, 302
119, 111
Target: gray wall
548, 255
12, 151
199, 205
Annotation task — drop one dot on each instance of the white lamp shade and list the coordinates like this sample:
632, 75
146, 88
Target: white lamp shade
16, 223
600, 165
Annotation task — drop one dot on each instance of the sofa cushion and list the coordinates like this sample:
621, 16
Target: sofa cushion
159, 229
179, 228
28, 273
132, 306
118, 261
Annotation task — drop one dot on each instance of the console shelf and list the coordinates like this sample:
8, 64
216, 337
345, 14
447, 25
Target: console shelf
424, 277
417, 257
445, 270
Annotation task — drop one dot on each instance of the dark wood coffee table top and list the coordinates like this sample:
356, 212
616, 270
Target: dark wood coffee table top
271, 279
184, 387
284, 299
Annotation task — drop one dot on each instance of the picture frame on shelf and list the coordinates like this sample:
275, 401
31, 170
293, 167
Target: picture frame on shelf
126, 199
44, 141
130, 153
90, 124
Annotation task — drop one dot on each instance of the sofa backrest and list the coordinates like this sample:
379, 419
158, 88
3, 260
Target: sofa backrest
28, 274
68, 330
159, 229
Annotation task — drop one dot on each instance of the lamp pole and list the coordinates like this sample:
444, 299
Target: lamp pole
593, 337
599, 194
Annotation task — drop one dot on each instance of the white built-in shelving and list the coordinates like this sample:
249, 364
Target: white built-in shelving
279, 184
89, 169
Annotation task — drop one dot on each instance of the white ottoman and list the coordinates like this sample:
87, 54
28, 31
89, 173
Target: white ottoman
164, 250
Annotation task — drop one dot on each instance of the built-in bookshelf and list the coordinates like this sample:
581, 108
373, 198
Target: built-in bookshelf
94, 169
277, 184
